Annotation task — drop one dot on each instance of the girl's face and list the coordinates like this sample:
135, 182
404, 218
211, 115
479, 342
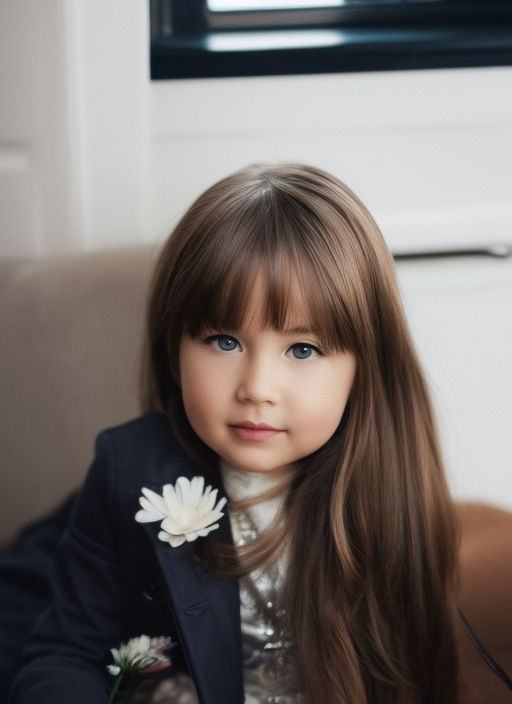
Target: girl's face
262, 398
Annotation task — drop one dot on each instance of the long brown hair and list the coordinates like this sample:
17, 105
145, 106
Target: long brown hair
369, 521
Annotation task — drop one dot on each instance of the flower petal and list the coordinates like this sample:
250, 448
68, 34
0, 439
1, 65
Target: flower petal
154, 498
174, 540
170, 527
196, 490
172, 503
148, 515
204, 532
209, 499
186, 510
141, 653
153, 507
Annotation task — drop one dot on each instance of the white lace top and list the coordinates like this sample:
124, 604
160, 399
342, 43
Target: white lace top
267, 671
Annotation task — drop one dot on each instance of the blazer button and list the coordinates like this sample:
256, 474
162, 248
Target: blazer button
153, 593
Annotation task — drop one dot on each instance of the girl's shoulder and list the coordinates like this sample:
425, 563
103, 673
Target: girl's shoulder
144, 452
154, 425
485, 598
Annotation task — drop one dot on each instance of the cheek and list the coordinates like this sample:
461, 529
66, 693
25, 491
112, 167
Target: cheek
191, 384
325, 417
201, 394
330, 398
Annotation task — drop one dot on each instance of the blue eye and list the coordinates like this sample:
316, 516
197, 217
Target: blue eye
304, 351
226, 343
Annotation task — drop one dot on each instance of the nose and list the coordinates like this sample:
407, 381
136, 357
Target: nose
259, 381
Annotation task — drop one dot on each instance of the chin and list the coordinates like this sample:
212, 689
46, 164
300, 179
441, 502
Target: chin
248, 466
259, 467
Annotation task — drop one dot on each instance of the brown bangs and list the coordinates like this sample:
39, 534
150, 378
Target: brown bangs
282, 254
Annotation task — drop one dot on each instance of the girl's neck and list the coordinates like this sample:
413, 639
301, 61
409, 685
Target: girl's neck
241, 484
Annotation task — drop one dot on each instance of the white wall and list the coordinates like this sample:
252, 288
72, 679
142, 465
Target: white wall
430, 152
35, 181
74, 125
94, 155
460, 314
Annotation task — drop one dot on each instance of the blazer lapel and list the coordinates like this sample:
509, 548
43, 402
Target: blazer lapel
207, 614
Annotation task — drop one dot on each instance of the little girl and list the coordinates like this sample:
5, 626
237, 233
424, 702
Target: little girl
280, 375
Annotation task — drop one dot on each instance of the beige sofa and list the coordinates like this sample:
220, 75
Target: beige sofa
71, 331
69, 359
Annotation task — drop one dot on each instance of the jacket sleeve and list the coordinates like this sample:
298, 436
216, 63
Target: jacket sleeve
66, 655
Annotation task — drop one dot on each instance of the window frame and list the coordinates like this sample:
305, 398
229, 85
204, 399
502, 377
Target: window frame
187, 41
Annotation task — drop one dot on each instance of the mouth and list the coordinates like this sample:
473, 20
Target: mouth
254, 432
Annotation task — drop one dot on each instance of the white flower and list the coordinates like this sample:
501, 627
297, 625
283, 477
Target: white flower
186, 510
140, 653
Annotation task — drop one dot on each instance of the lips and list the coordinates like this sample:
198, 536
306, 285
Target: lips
254, 432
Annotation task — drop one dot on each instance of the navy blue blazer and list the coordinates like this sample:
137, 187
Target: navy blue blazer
114, 579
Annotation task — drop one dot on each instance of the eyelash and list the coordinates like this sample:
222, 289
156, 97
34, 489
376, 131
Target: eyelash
296, 345
315, 349
215, 338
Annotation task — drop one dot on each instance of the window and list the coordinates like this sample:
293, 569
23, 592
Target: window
231, 5
202, 38
244, 5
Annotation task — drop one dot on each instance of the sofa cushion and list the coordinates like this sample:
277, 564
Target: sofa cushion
71, 338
